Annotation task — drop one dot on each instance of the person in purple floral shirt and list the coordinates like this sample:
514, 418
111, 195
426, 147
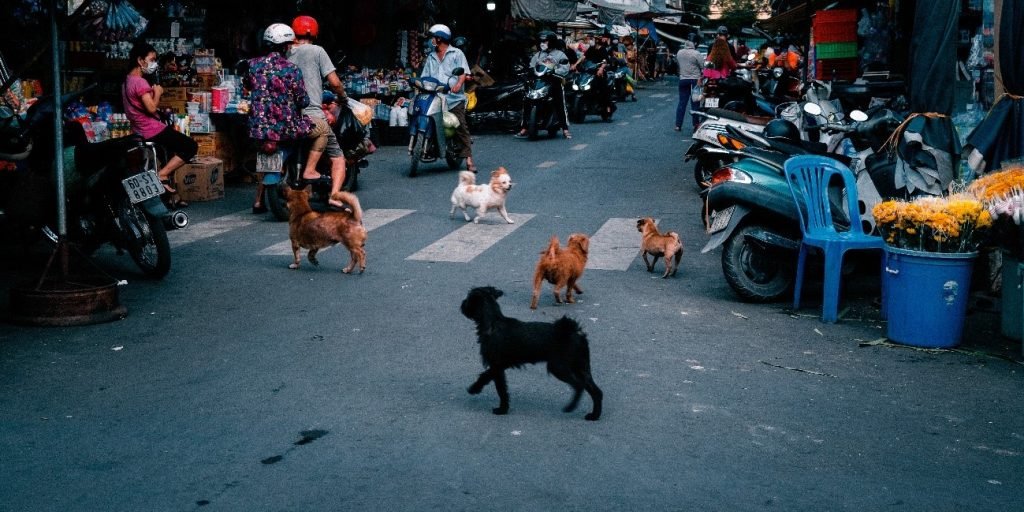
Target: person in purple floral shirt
277, 96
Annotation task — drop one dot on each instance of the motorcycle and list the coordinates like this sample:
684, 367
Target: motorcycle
621, 81
429, 126
113, 191
750, 212
540, 106
586, 95
499, 104
280, 165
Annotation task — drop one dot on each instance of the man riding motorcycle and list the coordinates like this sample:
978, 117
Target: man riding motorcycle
316, 67
549, 55
597, 57
440, 64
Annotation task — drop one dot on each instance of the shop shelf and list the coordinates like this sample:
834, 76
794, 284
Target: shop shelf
835, 32
836, 16
835, 50
839, 69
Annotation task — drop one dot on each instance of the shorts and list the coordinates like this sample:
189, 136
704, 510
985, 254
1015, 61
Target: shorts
324, 139
176, 143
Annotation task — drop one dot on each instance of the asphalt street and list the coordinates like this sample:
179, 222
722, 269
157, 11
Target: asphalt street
238, 384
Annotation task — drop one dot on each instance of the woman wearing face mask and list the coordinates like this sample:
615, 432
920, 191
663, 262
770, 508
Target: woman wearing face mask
140, 107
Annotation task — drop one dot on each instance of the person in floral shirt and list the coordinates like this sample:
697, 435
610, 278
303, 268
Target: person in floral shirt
277, 96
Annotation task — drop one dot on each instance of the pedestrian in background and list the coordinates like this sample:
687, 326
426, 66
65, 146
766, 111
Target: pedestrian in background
691, 64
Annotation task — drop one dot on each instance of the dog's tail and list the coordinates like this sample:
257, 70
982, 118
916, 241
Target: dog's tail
552, 249
569, 331
351, 200
467, 178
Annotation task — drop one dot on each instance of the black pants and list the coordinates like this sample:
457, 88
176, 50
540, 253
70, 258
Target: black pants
176, 143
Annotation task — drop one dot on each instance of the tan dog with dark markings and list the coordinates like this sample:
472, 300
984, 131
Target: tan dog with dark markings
561, 267
313, 230
657, 245
482, 197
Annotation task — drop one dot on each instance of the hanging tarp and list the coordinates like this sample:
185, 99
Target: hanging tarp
933, 47
639, 24
627, 6
1000, 137
545, 10
608, 16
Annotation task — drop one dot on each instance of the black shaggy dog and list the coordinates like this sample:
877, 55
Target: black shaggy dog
509, 343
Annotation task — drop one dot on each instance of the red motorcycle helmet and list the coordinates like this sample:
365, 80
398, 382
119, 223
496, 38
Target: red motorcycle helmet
306, 26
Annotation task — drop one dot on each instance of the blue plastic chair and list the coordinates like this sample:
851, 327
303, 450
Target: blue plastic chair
808, 177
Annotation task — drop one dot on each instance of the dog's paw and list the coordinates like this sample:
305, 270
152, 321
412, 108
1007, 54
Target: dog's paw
510, 221
474, 389
500, 411
592, 417
293, 266
346, 270
569, 408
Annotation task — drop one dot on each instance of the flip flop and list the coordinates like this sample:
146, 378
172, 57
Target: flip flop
471, 168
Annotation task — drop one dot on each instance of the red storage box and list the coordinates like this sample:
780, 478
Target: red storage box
835, 32
844, 69
836, 16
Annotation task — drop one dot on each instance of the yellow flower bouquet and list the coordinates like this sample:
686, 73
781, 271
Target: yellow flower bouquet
953, 224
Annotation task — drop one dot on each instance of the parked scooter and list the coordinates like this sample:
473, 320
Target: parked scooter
751, 214
113, 192
540, 106
428, 127
498, 105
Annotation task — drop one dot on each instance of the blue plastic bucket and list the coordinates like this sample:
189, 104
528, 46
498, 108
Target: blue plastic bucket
925, 296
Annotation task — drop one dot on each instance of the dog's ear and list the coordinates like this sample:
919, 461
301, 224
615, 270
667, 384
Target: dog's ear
495, 292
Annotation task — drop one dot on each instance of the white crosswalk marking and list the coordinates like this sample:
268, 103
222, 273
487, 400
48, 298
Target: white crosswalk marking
372, 219
659, 95
579, 147
211, 228
614, 246
471, 240
545, 165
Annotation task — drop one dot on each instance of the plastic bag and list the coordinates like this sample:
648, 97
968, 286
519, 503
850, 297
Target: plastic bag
350, 130
450, 121
362, 112
696, 93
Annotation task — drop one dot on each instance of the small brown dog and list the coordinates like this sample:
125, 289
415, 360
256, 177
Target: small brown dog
561, 267
656, 244
314, 230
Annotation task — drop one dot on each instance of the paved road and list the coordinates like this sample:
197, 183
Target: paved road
237, 384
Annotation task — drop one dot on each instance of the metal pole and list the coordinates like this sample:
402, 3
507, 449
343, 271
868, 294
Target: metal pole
58, 140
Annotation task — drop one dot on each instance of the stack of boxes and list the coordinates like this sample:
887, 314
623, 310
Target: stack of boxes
835, 44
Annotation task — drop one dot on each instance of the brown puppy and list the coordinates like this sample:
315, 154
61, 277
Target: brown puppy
656, 244
561, 267
314, 231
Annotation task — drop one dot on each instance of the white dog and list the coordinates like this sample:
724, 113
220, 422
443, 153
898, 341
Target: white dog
482, 197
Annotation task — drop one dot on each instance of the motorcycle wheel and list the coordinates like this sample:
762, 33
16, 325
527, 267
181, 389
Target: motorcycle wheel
351, 183
451, 157
755, 274
418, 144
146, 239
532, 126
579, 110
276, 201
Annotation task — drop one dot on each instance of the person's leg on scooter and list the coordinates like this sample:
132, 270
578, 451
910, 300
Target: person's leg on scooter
337, 156
462, 133
563, 114
319, 134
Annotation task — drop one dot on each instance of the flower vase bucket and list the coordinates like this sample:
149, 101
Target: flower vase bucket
925, 296
1012, 303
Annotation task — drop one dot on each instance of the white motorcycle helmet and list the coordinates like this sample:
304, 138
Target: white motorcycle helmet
441, 32
278, 33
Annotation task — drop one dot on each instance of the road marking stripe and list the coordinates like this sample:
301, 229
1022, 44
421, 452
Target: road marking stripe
660, 95
545, 165
637, 116
372, 219
623, 123
614, 246
471, 240
579, 147
211, 228
604, 134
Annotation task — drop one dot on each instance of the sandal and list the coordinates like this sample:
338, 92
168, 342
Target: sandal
471, 168
166, 182
566, 134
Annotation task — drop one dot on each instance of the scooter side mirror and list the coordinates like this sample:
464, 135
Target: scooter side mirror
458, 71
859, 116
812, 108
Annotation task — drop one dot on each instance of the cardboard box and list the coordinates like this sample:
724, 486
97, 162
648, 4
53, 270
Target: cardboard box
200, 123
202, 179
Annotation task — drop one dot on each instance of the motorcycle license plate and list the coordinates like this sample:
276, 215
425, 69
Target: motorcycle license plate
710, 102
142, 186
273, 162
719, 220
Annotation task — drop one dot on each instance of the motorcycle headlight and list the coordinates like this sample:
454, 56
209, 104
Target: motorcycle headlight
537, 94
586, 87
777, 72
575, 87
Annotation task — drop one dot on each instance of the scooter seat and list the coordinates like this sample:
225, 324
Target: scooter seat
738, 116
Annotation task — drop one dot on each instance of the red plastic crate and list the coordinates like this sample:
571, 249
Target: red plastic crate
845, 69
835, 32
836, 16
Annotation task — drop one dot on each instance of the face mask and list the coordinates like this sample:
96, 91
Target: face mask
543, 47
151, 67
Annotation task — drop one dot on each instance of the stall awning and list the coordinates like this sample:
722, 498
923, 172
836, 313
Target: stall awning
545, 10
796, 16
